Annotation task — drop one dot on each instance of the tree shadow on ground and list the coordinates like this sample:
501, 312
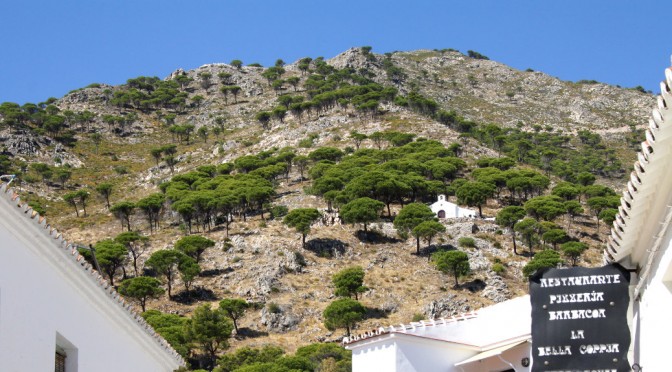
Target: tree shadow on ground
525, 252
245, 332
374, 237
215, 272
326, 247
595, 236
193, 295
285, 193
375, 313
473, 286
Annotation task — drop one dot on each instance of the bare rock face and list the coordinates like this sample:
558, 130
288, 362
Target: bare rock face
495, 288
34, 146
445, 307
391, 305
293, 261
354, 58
22, 144
279, 319
268, 279
62, 156
175, 74
84, 97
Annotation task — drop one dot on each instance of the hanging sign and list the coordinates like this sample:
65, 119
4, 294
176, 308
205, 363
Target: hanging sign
579, 319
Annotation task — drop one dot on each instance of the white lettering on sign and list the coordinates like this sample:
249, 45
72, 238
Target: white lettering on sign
576, 314
598, 349
580, 280
554, 350
576, 297
578, 334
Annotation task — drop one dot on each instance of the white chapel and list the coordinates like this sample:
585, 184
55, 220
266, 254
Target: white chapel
445, 209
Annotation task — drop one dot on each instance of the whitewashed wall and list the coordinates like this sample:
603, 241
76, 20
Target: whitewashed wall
451, 210
44, 295
377, 356
402, 353
651, 320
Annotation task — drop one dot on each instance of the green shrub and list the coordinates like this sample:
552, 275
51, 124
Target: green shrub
274, 308
418, 317
309, 141
279, 211
498, 268
30, 178
587, 82
121, 170
466, 242
37, 207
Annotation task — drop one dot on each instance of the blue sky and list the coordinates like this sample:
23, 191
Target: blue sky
51, 47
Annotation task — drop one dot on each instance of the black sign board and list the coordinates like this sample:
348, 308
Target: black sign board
579, 319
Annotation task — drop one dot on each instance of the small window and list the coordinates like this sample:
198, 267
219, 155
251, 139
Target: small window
60, 361
66, 355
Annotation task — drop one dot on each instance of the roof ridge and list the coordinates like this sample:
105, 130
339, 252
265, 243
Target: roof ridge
59, 242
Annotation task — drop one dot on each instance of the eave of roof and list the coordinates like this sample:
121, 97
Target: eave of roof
38, 224
635, 233
491, 352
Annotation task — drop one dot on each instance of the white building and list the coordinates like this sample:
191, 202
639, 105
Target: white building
641, 239
57, 313
494, 338
445, 209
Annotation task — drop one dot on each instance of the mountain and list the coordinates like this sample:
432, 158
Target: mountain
476, 108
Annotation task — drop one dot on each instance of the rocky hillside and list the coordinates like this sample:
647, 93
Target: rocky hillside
488, 91
262, 260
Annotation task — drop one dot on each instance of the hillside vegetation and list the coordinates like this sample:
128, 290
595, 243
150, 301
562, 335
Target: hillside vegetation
289, 204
